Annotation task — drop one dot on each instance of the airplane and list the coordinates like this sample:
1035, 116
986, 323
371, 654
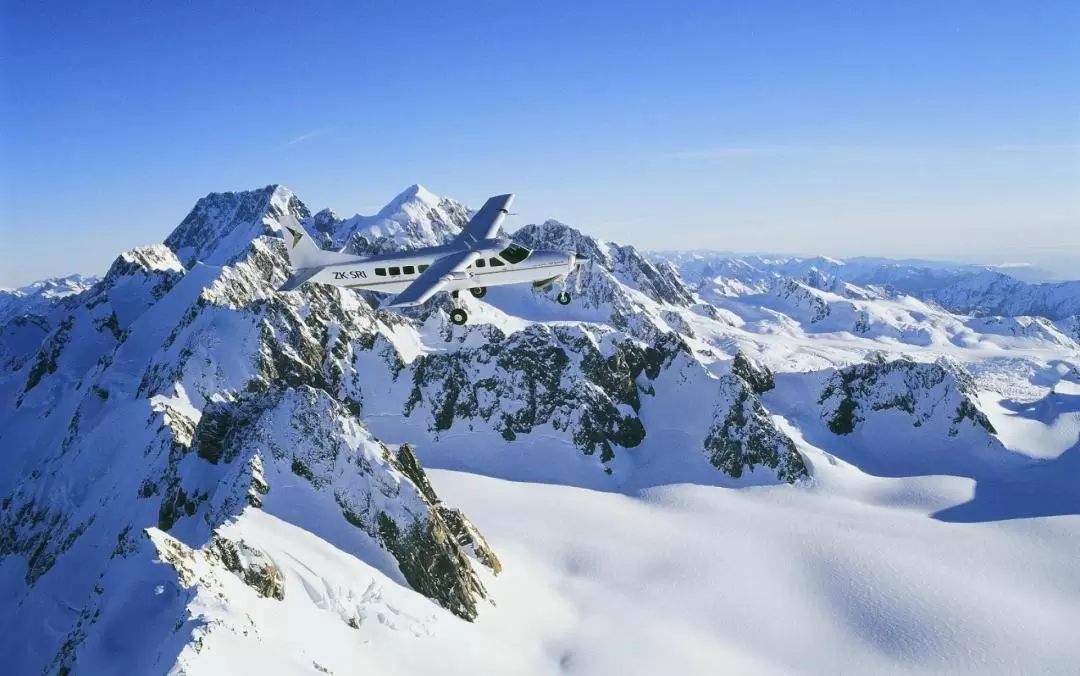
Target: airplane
473, 260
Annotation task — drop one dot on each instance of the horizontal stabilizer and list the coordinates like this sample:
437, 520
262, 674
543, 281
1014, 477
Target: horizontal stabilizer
298, 279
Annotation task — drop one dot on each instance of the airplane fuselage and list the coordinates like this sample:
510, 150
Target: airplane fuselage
392, 273
474, 260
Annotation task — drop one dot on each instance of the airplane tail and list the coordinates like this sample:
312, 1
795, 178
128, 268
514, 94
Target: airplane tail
303, 251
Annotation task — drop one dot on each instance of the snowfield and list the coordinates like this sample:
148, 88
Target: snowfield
851, 575
704, 464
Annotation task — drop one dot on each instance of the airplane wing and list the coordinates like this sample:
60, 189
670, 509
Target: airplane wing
432, 280
485, 223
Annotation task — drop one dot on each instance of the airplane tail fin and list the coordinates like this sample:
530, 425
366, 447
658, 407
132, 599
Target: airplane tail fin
303, 251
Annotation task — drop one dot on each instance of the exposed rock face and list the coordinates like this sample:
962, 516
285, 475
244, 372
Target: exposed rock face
247, 563
757, 376
743, 436
387, 495
468, 538
251, 565
40, 532
798, 293
542, 376
222, 224
942, 389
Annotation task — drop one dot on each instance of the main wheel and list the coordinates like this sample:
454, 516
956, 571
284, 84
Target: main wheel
458, 316
563, 298
478, 291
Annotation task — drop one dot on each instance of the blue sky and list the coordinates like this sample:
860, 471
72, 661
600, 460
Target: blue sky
943, 129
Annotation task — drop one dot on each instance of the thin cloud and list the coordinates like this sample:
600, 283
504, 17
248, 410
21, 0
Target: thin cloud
306, 136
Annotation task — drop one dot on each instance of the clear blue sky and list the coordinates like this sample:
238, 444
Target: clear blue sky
906, 127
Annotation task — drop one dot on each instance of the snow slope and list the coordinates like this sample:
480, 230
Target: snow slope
759, 472
849, 575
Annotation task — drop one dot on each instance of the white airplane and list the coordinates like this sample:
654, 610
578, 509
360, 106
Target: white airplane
474, 260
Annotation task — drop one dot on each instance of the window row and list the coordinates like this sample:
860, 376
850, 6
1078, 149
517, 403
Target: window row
513, 253
412, 270
403, 270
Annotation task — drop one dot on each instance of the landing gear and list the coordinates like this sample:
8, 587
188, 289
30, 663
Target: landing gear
563, 298
478, 291
458, 317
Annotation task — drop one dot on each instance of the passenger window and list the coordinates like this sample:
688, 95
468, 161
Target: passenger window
395, 271
423, 267
408, 270
496, 263
480, 262
380, 272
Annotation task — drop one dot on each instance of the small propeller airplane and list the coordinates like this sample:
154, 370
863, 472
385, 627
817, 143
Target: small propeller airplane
473, 260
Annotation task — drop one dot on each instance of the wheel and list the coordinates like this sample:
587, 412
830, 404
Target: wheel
563, 298
458, 316
478, 291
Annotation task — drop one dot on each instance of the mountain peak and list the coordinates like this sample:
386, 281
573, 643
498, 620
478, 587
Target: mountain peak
414, 194
417, 191
221, 224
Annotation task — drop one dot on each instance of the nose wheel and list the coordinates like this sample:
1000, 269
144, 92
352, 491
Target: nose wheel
563, 298
458, 317
478, 291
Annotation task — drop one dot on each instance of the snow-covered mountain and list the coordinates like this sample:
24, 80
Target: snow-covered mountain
37, 298
672, 473
414, 218
964, 289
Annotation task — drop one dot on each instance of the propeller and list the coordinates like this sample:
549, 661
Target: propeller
579, 258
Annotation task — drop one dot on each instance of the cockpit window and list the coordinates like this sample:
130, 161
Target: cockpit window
515, 253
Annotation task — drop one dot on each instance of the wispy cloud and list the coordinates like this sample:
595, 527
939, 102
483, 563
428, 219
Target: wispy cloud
306, 136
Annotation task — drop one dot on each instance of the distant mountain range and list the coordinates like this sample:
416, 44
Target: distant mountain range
961, 288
